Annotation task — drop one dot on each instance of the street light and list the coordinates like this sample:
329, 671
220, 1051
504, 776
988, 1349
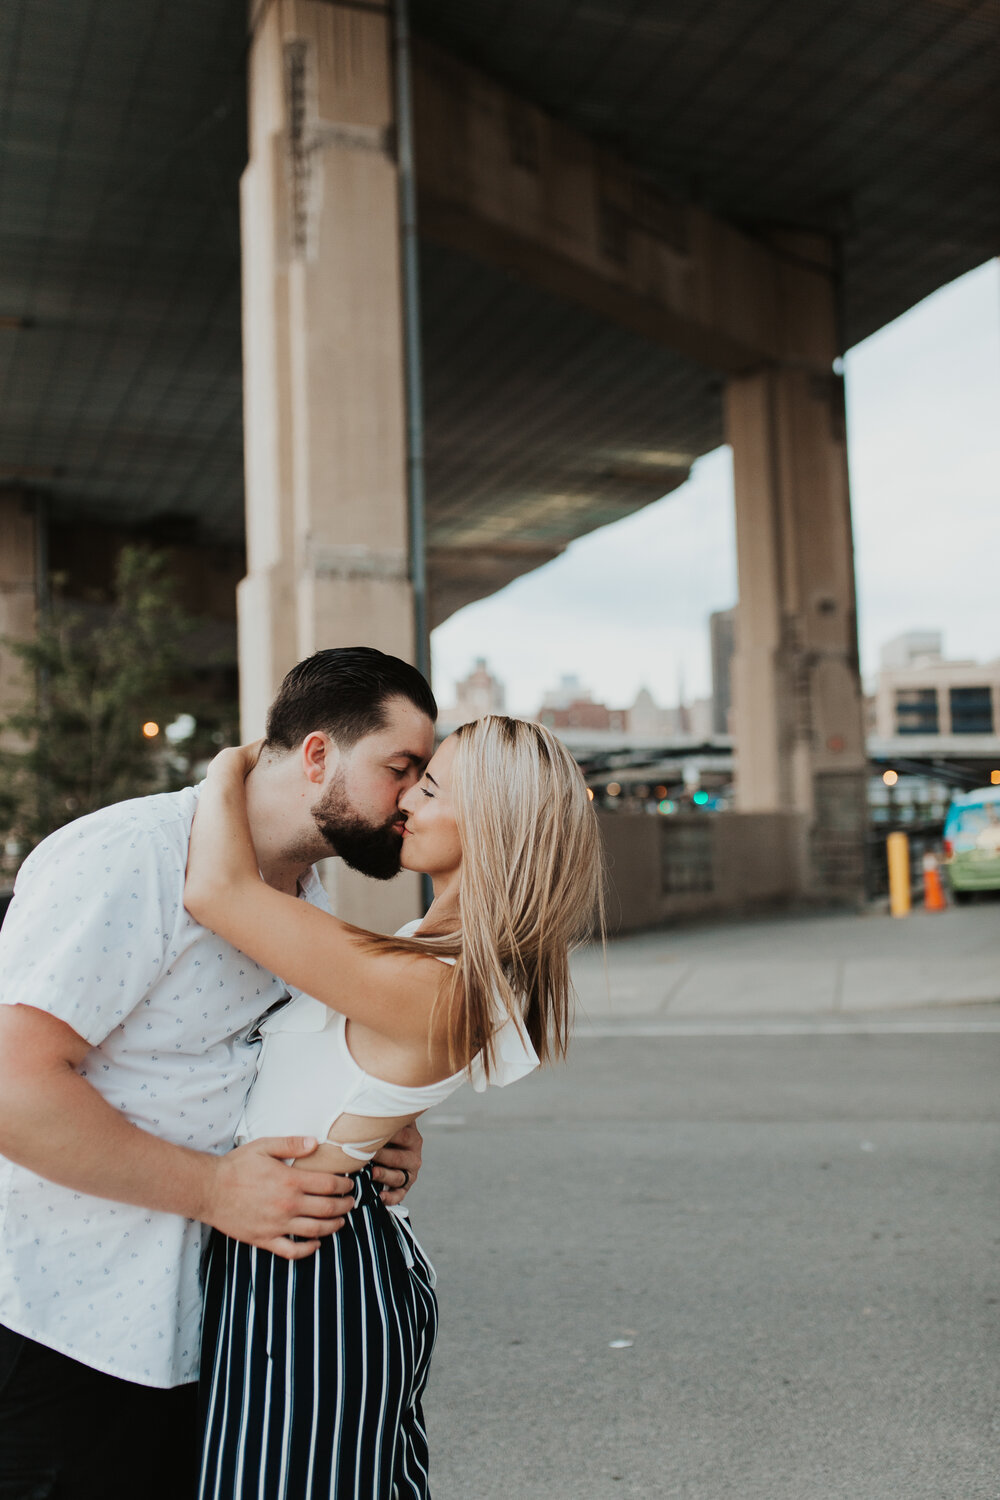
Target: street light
150, 729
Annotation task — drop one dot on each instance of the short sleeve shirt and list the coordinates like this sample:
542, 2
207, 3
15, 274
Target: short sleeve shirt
97, 935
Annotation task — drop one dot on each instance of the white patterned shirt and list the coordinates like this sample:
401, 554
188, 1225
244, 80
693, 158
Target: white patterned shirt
97, 935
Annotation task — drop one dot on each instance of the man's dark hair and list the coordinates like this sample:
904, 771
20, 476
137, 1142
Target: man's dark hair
343, 692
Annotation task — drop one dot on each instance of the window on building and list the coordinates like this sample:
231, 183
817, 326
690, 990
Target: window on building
916, 711
971, 710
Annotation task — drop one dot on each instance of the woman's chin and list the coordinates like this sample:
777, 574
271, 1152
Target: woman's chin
407, 861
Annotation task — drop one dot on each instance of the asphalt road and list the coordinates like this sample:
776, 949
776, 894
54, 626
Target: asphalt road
794, 1237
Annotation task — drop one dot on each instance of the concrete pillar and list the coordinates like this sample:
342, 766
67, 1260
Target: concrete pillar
797, 693
327, 542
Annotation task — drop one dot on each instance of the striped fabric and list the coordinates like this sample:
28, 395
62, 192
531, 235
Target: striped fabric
313, 1370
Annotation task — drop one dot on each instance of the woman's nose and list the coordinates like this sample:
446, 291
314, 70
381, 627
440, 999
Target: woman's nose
404, 801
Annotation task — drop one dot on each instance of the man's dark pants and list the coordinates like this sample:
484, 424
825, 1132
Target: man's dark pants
67, 1432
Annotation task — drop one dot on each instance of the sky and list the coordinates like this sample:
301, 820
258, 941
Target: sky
627, 606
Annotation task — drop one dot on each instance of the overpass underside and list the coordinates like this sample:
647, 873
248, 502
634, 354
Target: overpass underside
629, 300
586, 334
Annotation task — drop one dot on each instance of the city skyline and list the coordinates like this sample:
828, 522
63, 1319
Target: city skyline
481, 691
627, 607
914, 650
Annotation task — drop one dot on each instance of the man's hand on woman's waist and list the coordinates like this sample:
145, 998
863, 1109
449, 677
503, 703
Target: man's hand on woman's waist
396, 1166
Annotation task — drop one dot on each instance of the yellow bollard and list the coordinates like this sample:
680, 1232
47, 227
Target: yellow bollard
898, 850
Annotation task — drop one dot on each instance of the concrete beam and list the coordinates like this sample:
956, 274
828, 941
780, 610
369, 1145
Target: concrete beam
501, 180
459, 575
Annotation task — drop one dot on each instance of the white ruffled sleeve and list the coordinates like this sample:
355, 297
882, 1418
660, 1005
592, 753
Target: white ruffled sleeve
515, 1057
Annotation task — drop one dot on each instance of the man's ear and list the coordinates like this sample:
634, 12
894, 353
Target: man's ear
319, 756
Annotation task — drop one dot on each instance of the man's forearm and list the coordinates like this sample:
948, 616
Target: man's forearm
57, 1125
53, 1122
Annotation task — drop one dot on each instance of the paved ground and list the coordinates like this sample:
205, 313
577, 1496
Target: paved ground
804, 966
741, 1250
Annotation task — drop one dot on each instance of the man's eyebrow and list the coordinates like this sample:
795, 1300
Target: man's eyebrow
410, 755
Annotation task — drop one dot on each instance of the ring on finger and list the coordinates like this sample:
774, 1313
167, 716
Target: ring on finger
406, 1177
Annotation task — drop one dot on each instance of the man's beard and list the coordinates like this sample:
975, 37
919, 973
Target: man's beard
372, 849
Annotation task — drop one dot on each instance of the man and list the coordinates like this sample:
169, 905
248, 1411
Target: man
126, 1050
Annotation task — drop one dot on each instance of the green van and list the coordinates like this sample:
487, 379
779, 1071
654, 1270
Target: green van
972, 842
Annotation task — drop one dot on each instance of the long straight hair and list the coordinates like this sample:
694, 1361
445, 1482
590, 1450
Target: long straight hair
531, 888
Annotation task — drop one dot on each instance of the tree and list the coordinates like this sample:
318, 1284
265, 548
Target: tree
102, 670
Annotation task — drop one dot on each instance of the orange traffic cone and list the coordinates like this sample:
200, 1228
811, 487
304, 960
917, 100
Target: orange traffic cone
933, 892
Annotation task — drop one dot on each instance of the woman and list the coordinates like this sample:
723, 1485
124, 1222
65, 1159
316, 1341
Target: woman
313, 1370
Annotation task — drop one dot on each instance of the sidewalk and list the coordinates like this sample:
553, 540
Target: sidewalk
828, 967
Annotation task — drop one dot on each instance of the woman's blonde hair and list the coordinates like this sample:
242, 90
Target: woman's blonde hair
531, 886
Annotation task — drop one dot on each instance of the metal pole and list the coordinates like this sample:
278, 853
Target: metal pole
898, 852
414, 397
413, 394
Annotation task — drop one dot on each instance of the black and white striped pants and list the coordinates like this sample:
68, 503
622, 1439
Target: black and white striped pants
312, 1371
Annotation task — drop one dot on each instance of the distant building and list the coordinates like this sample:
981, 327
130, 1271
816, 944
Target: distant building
569, 690
646, 720
572, 706
701, 718
909, 649
583, 713
478, 694
921, 693
722, 636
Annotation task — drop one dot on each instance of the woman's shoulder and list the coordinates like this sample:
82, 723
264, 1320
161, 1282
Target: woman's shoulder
410, 929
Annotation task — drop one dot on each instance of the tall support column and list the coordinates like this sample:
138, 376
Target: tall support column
796, 683
324, 412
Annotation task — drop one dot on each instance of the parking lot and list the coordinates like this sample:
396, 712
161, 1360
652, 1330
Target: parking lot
742, 1250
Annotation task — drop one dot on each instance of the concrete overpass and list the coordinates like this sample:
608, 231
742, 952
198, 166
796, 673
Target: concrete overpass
642, 230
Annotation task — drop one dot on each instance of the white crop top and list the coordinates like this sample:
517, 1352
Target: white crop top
306, 1077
